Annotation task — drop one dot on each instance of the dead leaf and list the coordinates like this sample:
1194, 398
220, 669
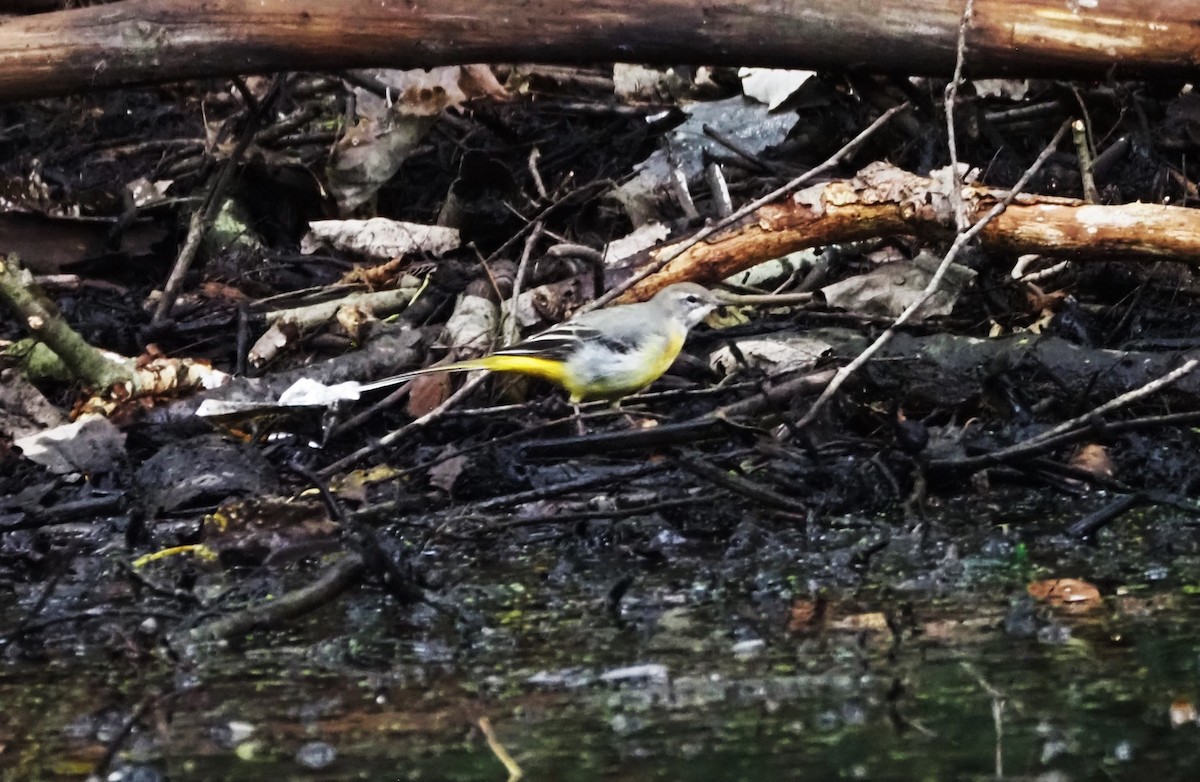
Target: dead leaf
1065, 592
1093, 458
426, 393
1182, 712
353, 320
89, 444
376, 276
222, 292
353, 485
774, 353
444, 474
871, 621
890, 289
1009, 89
256, 528
807, 615
368, 155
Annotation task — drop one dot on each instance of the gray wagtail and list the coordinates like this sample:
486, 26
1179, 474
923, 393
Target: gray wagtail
603, 354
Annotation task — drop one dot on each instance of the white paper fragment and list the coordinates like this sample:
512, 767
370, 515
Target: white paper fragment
772, 86
213, 408
471, 328
306, 392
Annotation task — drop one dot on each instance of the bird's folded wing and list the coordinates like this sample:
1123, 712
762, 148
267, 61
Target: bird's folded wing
563, 341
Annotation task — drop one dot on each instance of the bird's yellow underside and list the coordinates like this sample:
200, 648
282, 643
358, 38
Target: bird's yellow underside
584, 388
622, 374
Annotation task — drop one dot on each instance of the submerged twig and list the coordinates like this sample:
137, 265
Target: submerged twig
510, 765
335, 580
1090, 524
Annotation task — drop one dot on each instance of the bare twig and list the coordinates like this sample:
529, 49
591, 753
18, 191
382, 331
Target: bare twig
1066, 438
1046, 438
362, 536
1083, 152
999, 702
512, 328
412, 426
203, 218
584, 192
960, 56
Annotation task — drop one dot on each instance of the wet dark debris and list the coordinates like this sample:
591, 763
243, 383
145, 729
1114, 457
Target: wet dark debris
498, 547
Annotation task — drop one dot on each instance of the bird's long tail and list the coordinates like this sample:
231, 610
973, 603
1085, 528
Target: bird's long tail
404, 377
547, 369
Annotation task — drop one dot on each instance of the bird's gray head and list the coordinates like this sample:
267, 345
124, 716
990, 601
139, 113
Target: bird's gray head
687, 301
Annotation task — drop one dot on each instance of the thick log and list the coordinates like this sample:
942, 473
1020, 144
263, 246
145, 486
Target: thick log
148, 41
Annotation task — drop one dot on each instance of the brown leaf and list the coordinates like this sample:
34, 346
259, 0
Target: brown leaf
1182, 712
426, 393
806, 615
443, 474
1094, 459
1065, 592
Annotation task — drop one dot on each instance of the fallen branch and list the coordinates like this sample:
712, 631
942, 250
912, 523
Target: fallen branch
883, 200
149, 41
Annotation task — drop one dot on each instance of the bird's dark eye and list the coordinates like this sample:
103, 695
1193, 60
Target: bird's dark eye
692, 299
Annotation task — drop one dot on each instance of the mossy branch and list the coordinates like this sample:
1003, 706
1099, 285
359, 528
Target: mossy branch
43, 320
